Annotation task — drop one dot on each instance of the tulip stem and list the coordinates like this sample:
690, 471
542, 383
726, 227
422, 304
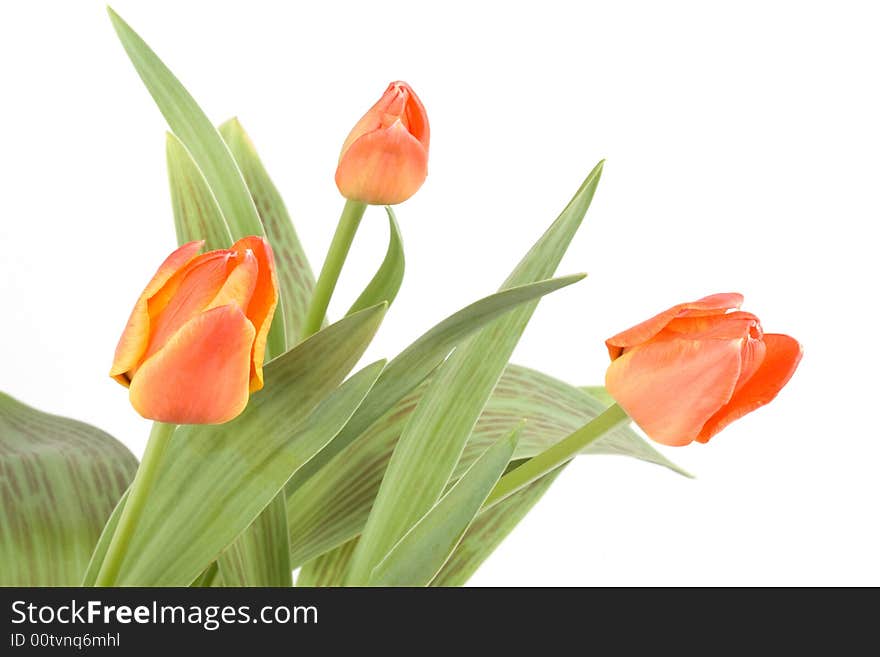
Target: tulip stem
143, 482
336, 255
555, 456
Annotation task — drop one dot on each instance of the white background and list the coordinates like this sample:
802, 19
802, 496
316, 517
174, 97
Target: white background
743, 155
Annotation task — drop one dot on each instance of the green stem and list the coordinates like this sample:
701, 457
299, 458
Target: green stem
143, 482
551, 458
336, 254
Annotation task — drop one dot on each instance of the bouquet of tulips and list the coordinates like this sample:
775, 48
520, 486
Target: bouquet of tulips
271, 455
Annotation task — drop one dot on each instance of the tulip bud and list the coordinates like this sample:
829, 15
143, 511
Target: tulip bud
384, 160
193, 349
690, 371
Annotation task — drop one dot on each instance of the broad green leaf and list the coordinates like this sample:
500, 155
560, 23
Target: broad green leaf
103, 544
210, 577
555, 456
332, 508
556, 409
328, 569
295, 277
190, 124
385, 285
417, 557
488, 530
216, 479
261, 555
204, 143
264, 542
600, 393
418, 360
59, 482
196, 213
421, 464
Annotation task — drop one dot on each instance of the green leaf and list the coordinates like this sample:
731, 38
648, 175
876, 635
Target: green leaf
488, 530
561, 409
418, 360
386, 283
103, 544
421, 465
262, 542
187, 120
421, 553
332, 508
210, 577
600, 393
295, 278
59, 482
196, 213
204, 143
328, 569
216, 479
261, 555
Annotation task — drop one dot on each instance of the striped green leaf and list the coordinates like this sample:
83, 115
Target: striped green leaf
385, 285
196, 213
190, 124
295, 278
332, 508
196, 132
600, 393
103, 543
328, 569
489, 529
418, 556
210, 577
59, 482
216, 479
417, 361
261, 555
422, 465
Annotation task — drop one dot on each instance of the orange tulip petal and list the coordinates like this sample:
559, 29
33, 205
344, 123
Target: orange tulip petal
384, 167
371, 121
199, 284
712, 305
238, 288
136, 335
783, 353
415, 116
201, 374
398, 102
753, 354
263, 301
728, 326
672, 388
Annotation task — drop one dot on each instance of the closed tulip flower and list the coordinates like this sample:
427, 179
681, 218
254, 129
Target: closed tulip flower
193, 349
384, 160
690, 371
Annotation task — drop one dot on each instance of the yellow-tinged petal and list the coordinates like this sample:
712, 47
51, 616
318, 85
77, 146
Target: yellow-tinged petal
136, 335
263, 301
239, 285
197, 285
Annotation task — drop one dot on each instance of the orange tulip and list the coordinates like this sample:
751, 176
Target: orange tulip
384, 160
690, 371
193, 349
